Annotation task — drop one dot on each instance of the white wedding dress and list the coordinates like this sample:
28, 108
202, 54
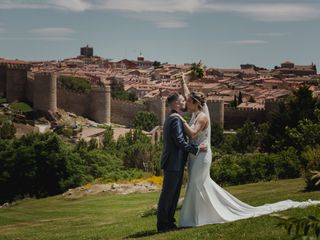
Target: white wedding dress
206, 202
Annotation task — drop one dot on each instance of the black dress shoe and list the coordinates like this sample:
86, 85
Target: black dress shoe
173, 227
163, 230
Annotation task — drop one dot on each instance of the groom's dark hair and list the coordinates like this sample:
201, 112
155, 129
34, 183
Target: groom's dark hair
172, 98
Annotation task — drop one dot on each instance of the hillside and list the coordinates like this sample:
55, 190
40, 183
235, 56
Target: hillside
110, 216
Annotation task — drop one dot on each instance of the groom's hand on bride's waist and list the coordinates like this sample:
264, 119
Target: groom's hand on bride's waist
203, 147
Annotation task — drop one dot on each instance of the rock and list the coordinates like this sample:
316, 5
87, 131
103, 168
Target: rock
5, 205
114, 186
141, 187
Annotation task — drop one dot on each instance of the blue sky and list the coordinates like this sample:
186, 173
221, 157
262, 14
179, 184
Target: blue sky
221, 33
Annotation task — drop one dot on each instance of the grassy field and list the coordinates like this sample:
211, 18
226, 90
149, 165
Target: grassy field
109, 216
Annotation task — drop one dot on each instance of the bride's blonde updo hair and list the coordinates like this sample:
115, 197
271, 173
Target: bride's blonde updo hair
198, 97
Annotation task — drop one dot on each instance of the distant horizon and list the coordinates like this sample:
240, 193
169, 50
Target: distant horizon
108, 58
221, 33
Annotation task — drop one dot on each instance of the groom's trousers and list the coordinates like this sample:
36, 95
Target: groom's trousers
172, 181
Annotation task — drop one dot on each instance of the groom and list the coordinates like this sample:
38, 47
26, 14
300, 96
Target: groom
174, 157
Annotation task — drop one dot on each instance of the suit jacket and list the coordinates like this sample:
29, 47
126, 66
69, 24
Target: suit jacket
176, 148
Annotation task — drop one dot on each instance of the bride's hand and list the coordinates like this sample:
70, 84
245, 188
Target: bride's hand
178, 115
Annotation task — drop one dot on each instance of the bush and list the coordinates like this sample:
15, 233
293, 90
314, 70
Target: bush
3, 100
216, 134
123, 174
246, 139
7, 130
20, 107
37, 165
311, 156
145, 120
98, 163
248, 168
288, 164
136, 150
118, 92
75, 84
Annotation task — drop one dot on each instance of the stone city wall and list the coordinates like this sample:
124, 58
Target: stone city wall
73, 102
123, 112
235, 118
3, 80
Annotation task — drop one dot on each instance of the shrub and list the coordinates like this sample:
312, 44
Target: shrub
7, 130
123, 174
311, 156
288, 164
248, 168
3, 100
305, 228
98, 163
145, 120
75, 84
136, 150
20, 107
37, 165
216, 134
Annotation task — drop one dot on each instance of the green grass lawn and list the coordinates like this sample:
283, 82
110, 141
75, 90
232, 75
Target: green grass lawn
108, 216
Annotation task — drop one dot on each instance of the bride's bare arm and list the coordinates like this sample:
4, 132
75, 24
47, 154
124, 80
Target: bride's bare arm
201, 123
184, 88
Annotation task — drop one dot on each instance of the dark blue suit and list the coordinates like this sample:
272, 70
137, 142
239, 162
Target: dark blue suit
174, 157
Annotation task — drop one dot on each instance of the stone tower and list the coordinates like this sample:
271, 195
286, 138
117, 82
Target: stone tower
13, 79
216, 110
158, 106
45, 91
163, 110
100, 104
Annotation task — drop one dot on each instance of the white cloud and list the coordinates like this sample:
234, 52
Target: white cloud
247, 42
14, 4
268, 12
272, 34
53, 33
169, 6
170, 23
70, 5
162, 20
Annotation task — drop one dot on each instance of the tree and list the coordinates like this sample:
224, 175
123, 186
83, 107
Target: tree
246, 138
301, 105
93, 144
118, 92
108, 141
216, 134
7, 130
37, 165
156, 64
145, 120
251, 99
305, 134
240, 98
234, 103
284, 129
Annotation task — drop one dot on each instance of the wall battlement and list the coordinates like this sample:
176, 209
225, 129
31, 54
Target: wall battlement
15, 64
215, 101
245, 109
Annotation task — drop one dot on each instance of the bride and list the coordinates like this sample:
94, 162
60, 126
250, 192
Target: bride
206, 202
